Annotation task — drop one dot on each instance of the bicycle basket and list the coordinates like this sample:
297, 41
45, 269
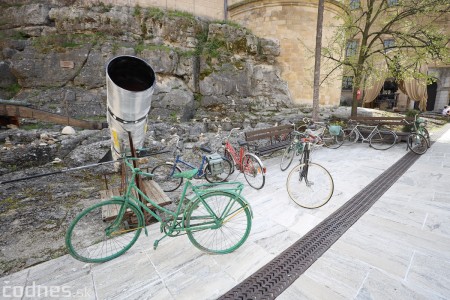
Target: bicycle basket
215, 163
335, 129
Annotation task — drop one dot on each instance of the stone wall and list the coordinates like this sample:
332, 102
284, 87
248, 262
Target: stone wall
55, 57
206, 8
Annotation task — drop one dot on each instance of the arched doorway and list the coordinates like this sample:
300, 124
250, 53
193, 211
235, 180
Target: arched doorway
431, 100
431, 91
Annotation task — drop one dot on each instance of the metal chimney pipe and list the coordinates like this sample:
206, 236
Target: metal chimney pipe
130, 84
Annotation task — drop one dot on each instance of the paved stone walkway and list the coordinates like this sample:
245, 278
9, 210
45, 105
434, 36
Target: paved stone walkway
400, 249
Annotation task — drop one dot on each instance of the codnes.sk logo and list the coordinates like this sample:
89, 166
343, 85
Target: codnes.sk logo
40, 291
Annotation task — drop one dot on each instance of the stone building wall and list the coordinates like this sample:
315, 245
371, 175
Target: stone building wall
293, 24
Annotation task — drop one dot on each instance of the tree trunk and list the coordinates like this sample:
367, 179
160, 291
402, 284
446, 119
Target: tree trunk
318, 54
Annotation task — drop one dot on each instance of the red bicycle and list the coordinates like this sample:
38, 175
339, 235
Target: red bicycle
245, 162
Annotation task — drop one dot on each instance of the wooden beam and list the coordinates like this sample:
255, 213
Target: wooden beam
26, 112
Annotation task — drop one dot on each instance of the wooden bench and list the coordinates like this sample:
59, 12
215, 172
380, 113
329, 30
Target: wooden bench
149, 187
279, 137
382, 120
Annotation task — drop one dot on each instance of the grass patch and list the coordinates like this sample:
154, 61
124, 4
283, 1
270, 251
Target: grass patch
214, 47
62, 42
20, 35
141, 47
137, 11
10, 203
180, 14
13, 88
155, 13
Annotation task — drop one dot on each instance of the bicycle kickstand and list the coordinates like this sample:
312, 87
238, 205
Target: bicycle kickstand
156, 242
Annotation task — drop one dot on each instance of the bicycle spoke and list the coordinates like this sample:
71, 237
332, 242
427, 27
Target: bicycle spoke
88, 241
233, 225
311, 187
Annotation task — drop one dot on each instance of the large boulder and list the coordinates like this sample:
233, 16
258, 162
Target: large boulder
41, 69
25, 15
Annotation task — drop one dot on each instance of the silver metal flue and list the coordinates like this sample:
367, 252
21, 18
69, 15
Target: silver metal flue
130, 84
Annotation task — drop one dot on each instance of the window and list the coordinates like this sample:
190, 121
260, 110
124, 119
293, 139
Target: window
354, 4
352, 46
392, 2
347, 83
388, 45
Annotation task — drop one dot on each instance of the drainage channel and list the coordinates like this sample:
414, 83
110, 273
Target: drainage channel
272, 279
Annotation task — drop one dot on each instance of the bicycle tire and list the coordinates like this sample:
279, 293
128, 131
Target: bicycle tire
332, 141
253, 170
230, 158
288, 156
219, 177
426, 134
89, 243
383, 140
227, 212
162, 176
314, 191
350, 136
417, 143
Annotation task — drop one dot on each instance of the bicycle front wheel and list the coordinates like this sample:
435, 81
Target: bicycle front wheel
288, 156
218, 222
417, 143
383, 140
310, 186
426, 134
332, 141
163, 176
230, 158
220, 177
253, 170
94, 237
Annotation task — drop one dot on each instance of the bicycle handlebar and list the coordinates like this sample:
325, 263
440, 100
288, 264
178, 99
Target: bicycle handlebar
231, 132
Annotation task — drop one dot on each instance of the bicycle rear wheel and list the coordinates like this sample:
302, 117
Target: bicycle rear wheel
288, 156
310, 186
93, 238
218, 222
383, 140
332, 141
253, 170
163, 176
221, 176
417, 143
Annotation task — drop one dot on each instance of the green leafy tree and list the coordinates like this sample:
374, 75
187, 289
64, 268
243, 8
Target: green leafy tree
403, 34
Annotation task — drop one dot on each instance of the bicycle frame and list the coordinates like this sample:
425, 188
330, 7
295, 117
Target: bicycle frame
201, 168
177, 221
305, 160
375, 130
238, 158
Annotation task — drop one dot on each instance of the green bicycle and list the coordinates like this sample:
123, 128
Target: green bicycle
419, 138
217, 219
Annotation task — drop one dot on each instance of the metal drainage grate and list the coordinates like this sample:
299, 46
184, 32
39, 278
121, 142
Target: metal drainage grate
272, 279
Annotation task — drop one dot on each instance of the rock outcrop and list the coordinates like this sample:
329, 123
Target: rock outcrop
54, 56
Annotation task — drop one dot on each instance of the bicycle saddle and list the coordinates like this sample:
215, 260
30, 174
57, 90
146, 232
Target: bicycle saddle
242, 143
205, 149
186, 174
